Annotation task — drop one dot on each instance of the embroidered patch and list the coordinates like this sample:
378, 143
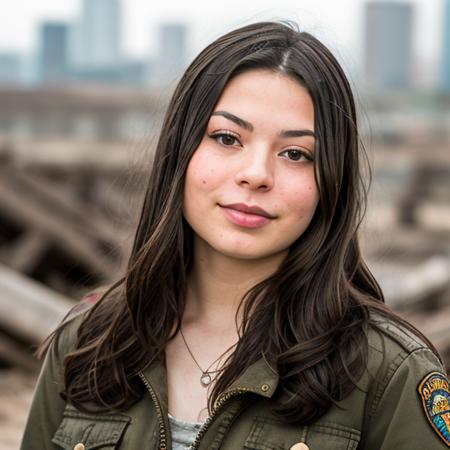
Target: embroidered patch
434, 390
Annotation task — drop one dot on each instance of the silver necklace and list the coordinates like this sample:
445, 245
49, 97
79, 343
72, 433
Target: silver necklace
205, 379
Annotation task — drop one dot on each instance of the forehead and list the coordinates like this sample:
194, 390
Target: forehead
260, 92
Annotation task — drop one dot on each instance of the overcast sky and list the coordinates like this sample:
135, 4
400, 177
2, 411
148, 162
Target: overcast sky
338, 22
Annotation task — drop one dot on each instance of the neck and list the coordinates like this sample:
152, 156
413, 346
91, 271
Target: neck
217, 283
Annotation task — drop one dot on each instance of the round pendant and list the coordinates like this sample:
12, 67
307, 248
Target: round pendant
205, 379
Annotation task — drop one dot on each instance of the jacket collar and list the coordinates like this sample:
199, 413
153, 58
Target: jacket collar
259, 378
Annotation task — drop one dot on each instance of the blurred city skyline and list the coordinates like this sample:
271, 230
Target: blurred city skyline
341, 26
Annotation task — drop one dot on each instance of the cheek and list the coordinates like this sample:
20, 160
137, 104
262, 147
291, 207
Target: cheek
302, 199
201, 171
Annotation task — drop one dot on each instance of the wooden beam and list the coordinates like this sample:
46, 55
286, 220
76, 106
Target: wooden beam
28, 309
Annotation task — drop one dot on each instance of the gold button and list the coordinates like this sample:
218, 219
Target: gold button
79, 446
265, 387
299, 446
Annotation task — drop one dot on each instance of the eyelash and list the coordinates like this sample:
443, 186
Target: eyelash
217, 136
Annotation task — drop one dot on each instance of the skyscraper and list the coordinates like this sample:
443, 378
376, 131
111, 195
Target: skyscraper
388, 44
171, 58
52, 57
96, 36
446, 48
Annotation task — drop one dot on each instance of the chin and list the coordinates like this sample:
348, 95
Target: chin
248, 254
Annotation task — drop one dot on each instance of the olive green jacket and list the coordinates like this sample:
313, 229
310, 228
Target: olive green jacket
386, 412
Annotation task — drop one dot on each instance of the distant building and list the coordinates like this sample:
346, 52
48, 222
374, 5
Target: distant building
95, 38
388, 44
52, 55
10, 68
30, 69
446, 47
134, 72
171, 57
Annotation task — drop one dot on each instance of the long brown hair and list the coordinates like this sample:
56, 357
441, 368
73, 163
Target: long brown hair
310, 317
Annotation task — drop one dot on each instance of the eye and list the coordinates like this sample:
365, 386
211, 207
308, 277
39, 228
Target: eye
226, 139
295, 154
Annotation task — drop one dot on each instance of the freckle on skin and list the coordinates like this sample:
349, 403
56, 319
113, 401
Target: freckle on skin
204, 181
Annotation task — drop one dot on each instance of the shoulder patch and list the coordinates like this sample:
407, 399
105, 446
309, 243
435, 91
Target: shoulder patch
434, 390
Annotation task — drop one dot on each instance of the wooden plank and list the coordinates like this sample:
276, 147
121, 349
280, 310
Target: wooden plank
28, 309
78, 237
409, 288
17, 355
27, 251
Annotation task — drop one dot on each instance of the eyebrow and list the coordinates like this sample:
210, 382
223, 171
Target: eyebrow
248, 126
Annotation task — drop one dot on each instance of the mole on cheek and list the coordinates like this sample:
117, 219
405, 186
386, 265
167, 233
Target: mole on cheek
203, 181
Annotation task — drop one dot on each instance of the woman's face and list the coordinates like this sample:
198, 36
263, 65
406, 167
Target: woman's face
250, 189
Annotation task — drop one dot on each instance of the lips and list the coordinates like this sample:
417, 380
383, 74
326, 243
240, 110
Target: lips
249, 209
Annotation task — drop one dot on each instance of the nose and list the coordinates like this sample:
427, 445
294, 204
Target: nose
255, 171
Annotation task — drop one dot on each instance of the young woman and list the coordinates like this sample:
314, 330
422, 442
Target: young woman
247, 318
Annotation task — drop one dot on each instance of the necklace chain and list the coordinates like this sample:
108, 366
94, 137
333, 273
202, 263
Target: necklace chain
205, 379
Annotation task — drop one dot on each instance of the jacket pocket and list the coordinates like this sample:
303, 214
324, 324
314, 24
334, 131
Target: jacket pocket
270, 434
92, 430
328, 435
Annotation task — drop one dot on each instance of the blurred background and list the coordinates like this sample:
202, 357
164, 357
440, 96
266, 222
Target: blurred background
83, 88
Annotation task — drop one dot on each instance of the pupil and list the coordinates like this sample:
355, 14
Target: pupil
295, 154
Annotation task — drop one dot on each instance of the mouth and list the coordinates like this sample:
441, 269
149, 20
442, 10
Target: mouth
246, 216
254, 209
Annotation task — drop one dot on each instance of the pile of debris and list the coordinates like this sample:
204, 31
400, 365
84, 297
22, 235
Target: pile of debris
67, 229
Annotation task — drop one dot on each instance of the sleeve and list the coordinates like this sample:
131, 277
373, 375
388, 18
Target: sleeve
47, 406
412, 411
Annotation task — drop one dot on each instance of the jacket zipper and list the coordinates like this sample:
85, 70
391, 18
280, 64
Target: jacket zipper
217, 406
162, 425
